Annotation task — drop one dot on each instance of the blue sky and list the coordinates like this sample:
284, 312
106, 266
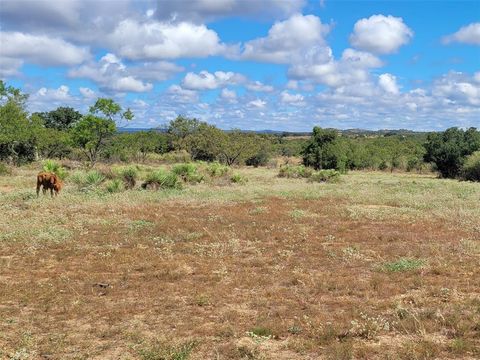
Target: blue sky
271, 64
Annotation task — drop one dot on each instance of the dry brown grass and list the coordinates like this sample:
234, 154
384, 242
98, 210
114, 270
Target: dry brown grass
276, 269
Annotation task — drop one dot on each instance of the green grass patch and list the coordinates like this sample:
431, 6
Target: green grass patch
404, 264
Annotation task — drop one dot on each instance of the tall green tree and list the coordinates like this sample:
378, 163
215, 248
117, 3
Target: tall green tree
111, 110
15, 128
448, 150
319, 153
62, 118
91, 134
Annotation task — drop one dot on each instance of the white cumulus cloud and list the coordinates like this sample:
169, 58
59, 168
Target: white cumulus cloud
161, 40
41, 49
388, 82
380, 34
287, 38
208, 81
469, 34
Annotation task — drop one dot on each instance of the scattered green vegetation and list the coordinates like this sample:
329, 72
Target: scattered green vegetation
162, 351
329, 175
215, 169
295, 171
404, 264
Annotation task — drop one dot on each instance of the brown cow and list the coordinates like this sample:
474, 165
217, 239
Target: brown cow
48, 180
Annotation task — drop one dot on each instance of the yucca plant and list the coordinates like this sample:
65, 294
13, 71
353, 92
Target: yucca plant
163, 179
238, 179
188, 172
216, 169
53, 166
94, 178
129, 176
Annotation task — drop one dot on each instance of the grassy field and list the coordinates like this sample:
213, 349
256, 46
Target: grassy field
377, 266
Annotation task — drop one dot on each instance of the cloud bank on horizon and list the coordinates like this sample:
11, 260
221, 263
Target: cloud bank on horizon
270, 64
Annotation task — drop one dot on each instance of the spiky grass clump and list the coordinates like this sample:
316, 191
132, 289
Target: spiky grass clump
163, 179
129, 176
113, 186
53, 166
238, 179
94, 178
216, 169
188, 172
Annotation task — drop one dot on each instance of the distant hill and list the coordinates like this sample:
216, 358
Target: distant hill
347, 132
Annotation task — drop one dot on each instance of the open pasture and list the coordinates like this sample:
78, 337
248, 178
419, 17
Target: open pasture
377, 266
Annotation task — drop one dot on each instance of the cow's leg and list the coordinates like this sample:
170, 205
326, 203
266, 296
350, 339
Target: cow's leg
51, 192
38, 188
44, 190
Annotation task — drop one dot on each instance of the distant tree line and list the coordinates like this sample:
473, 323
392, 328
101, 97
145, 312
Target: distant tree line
66, 133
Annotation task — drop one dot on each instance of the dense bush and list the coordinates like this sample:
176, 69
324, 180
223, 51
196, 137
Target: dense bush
449, 149
471, 167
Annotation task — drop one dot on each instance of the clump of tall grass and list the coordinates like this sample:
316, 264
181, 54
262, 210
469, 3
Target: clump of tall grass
113, 186
4, 169
87, 181
188, 172
295, 171
129, 176
238, 179
162, 179
53, 166
328, 175
216, 169
174, 157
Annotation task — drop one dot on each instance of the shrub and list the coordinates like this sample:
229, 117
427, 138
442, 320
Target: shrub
163, 179
78, 178
129, 176
471, 167
173, 157
188, 172
216, 169
4, 169
55, 167
295, 171
114, 185
238, 179
325, 176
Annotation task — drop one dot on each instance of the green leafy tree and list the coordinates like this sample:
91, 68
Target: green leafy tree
91, 134
205, 143
178, 129
15, 128
111, 110
62, 118
448, 150
318, 152
237, 147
